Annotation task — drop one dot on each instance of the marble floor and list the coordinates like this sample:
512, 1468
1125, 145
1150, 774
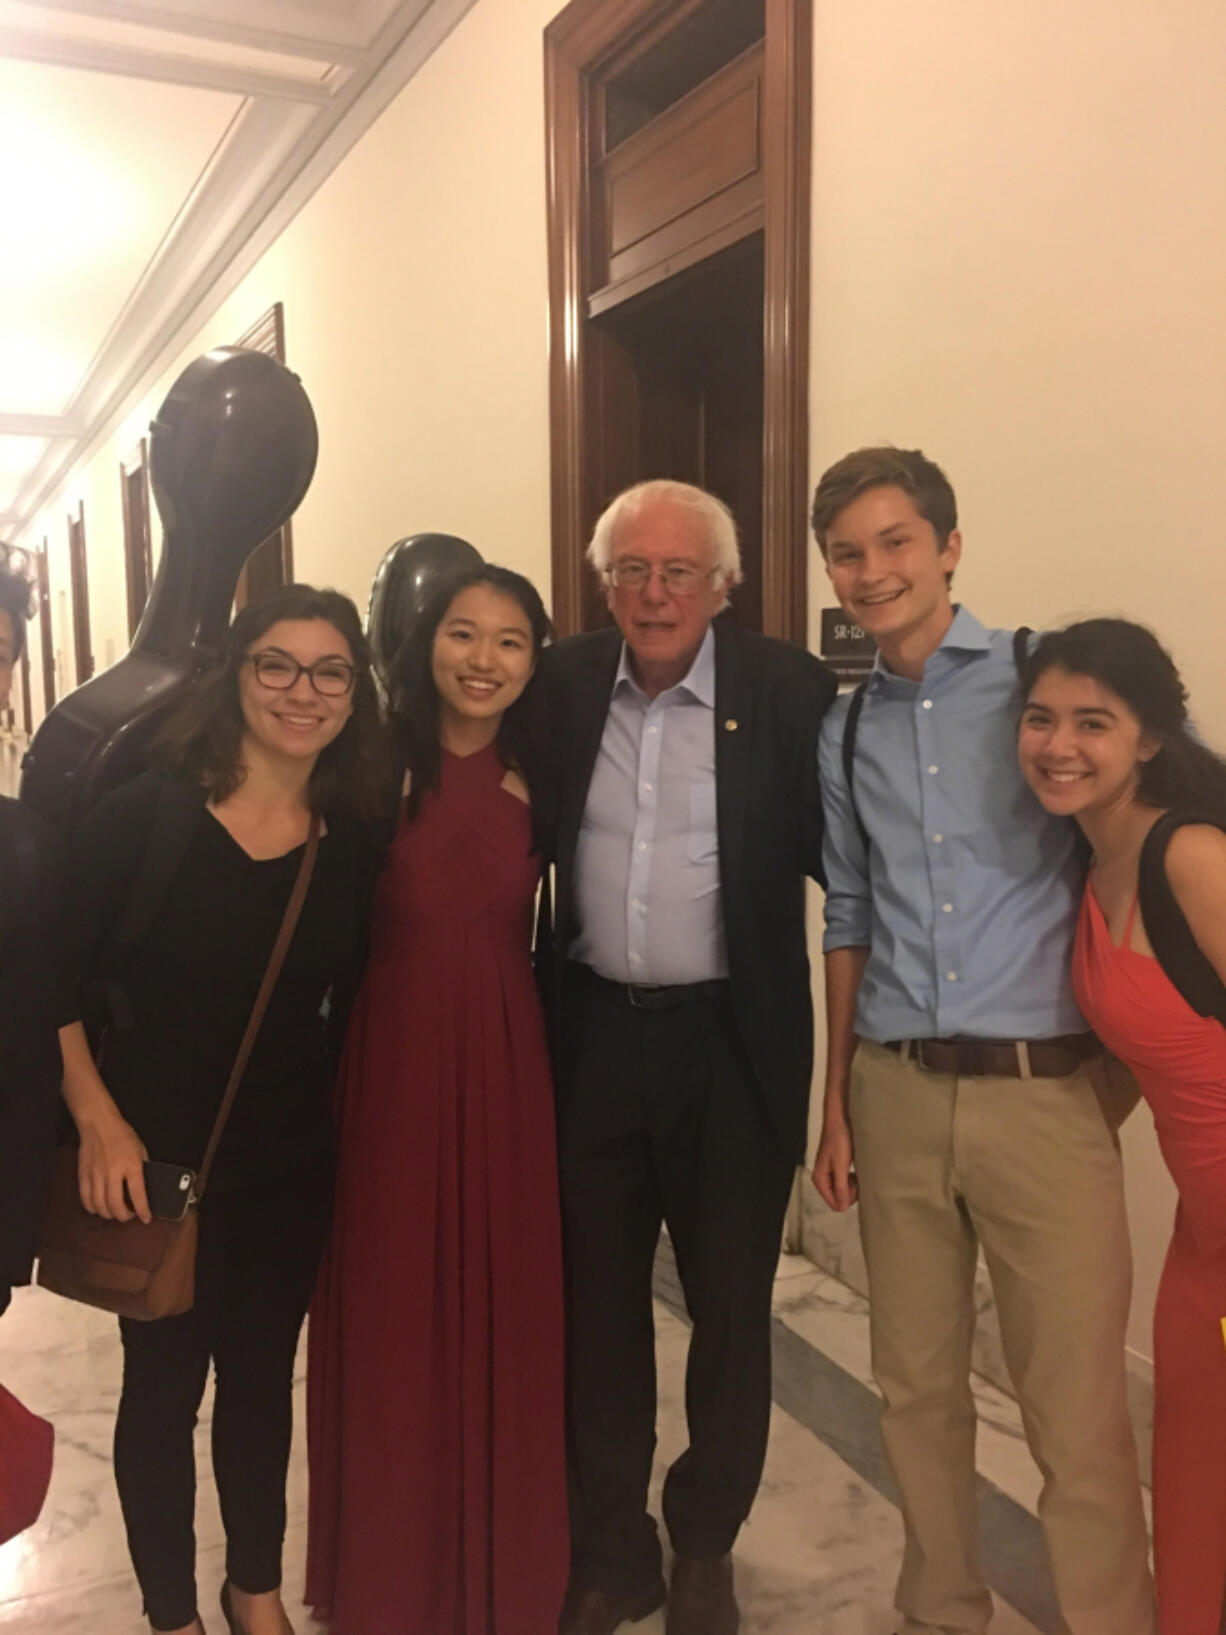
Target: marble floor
818, 1556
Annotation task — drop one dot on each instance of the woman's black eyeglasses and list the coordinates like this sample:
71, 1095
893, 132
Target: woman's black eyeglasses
332, 678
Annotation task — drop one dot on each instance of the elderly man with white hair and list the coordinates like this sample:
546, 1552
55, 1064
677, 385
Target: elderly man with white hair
684, 815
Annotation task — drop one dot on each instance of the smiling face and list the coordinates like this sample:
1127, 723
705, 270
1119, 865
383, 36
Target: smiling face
888, 568
297, 721
483, 656
1080, 746
662, 629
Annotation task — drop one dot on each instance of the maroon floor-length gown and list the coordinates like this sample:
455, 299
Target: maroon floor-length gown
438, 1497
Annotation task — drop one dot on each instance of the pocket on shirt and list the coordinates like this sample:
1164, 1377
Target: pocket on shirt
704, 834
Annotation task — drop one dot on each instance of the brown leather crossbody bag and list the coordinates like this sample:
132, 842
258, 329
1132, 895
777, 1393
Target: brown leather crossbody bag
149, 1271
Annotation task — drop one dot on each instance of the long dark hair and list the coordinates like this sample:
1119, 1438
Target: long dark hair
413, 698
1132, 663
203, 739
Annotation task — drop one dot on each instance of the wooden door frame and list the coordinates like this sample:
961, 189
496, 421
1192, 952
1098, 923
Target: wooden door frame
577, 43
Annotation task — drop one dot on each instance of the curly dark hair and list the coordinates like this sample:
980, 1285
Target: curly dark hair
1132, 663
413, 698
203, 739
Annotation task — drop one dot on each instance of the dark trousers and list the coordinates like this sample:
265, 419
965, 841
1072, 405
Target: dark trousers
661, 1121
258, 1253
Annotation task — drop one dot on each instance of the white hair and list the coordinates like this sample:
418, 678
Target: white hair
717, 520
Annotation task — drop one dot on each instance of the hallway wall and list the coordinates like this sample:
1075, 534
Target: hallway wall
1018, 258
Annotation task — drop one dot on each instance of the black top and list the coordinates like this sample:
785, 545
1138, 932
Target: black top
769, 701
1169, 933
190, 985
29, 1049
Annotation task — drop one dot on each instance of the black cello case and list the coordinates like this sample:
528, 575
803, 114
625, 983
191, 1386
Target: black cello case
406, 579
232, 452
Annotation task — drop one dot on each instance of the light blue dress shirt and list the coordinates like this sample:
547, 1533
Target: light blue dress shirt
647, 886
968, 900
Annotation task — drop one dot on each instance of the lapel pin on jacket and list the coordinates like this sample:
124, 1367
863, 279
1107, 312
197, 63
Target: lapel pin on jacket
730, 724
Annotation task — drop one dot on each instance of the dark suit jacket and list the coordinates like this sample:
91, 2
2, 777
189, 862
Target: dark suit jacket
29, 1046
769, 701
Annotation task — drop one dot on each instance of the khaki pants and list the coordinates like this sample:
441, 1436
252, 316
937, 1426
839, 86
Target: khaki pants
1029, 1171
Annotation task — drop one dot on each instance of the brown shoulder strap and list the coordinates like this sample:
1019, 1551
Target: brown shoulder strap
273, 970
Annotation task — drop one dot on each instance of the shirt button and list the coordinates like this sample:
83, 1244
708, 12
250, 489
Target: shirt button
947, 908
934, 769
636, 902
653, 729
937, 839
647, 786
927, 703
637, 958
642, 845
952, 975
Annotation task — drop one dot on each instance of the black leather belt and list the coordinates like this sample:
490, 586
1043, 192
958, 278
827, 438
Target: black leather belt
1000, 1058
657, 996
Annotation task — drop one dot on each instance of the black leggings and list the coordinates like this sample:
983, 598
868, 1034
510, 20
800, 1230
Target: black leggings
255, 1268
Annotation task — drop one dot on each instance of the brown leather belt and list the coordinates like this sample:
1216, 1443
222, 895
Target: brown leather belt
1000, 1058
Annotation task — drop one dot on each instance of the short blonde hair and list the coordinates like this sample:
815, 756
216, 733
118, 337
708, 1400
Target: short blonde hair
717, 519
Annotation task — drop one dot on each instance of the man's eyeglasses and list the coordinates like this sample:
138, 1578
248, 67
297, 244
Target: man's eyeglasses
332, 678
679, 577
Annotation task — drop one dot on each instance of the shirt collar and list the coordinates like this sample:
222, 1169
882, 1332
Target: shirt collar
965, 635
698, 681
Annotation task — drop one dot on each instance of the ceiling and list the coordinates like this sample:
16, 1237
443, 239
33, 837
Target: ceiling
150, 151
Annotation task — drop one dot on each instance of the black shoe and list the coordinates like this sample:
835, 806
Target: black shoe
594, 1612
701, 1599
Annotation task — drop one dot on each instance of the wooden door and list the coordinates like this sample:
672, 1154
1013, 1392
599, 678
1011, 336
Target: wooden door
27, 708
137, 532
678, 150
46, 636
79, 581
271, 563
676, 386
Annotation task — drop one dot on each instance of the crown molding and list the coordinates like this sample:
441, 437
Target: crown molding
238, 211
99, 56
40, 425
167, 16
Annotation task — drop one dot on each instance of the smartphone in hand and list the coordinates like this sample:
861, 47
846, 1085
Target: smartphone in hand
168, 1188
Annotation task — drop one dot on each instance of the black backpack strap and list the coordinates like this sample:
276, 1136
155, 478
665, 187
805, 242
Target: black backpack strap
1170, 936
1021, 648
850, 728
175, 815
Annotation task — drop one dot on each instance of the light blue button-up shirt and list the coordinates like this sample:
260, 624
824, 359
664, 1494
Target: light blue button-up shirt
968, 899
647, 861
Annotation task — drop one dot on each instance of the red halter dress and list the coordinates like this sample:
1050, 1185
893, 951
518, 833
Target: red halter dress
1179, 1059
